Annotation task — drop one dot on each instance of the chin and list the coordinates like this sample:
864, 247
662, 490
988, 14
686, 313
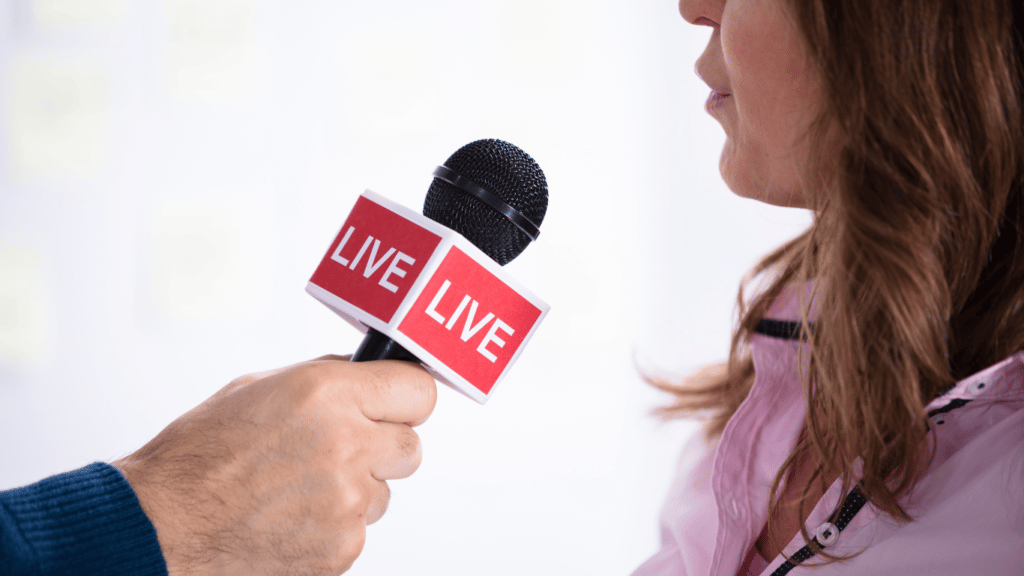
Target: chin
748, 187
741, 187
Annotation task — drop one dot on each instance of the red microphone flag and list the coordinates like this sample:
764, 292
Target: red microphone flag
429, 289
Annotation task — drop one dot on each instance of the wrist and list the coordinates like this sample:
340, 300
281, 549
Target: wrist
154, 506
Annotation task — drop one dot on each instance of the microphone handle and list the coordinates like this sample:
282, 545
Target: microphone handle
377, 346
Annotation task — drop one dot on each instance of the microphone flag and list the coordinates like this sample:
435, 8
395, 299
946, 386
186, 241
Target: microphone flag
430, 290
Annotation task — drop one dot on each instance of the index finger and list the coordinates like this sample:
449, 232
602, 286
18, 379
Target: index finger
396, 391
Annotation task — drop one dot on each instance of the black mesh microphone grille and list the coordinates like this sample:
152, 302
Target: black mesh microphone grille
503, 170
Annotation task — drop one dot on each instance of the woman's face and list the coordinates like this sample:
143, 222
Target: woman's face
756, 58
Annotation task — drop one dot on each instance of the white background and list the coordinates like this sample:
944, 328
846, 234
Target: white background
171, 173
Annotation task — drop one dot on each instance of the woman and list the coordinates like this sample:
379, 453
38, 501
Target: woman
899, 123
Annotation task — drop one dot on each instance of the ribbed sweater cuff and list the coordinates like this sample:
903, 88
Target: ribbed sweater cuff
87, 521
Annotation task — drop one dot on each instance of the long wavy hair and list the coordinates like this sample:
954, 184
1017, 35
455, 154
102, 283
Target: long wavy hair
917, 237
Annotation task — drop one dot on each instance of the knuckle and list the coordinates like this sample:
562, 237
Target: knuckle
312, 383
385, 497
399, 382
352, 499
409, 443
240, 382
415, 460
314, 375
332, 357
299, 383
372, 380
380, 504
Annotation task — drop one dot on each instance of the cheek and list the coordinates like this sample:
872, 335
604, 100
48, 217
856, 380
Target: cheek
763, 112
768, 69
774, 93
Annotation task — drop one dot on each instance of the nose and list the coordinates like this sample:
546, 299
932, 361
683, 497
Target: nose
702, 12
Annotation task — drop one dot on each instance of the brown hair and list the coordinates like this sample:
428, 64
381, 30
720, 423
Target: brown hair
917, 232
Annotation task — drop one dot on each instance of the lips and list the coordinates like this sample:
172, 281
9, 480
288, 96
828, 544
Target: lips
715, 100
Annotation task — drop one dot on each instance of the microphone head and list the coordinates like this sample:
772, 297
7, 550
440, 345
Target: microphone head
506, 172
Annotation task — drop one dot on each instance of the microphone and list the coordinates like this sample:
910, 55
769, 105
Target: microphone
492, 193
483, 208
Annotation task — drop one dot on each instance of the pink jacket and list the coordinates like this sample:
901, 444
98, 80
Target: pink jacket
968, 509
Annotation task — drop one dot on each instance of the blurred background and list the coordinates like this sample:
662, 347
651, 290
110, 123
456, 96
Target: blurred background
172, 172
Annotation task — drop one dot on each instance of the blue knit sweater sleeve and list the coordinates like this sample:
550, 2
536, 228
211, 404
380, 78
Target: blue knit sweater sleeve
87, 521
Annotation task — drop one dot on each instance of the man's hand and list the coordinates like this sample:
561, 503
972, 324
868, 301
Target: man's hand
281, 472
